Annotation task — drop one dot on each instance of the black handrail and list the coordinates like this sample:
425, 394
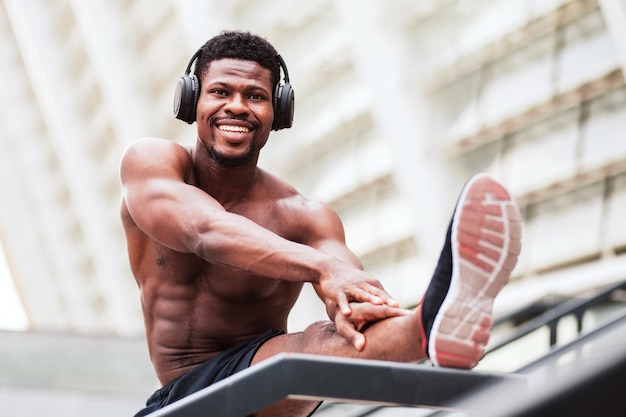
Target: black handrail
611, 330
611, 325
592, 384
551, 318
530, 311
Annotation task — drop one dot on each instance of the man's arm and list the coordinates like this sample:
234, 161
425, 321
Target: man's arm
326, 233
187, 219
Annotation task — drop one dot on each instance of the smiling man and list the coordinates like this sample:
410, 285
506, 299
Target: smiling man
220, 248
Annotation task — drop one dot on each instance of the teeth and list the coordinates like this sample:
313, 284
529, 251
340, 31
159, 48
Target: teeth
229, 128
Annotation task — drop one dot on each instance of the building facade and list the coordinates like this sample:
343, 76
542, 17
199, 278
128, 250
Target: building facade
397, 103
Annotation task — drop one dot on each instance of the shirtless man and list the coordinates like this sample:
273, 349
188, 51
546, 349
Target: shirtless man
220, 248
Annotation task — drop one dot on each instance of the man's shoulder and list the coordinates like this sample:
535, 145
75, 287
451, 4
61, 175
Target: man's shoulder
308, 220
292, 201
155, 150
281, 191
150, 158
149, 145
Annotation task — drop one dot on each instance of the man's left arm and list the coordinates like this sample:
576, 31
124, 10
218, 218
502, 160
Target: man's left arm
326, 234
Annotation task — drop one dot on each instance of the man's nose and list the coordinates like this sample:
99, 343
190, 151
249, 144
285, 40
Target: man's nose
237, 104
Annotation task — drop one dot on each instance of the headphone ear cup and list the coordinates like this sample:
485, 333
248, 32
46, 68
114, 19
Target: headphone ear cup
186, 98
284, 101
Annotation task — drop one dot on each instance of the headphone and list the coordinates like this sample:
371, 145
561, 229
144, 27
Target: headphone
188, 90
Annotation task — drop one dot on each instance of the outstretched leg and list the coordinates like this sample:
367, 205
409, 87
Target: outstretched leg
481, 249
451, 325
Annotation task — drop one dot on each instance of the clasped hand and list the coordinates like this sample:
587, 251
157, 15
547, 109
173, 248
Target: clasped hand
355, 304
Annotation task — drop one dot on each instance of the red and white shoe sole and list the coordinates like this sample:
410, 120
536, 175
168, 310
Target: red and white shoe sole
486, 242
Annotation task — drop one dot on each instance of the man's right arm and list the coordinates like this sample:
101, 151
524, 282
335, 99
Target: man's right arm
186, 219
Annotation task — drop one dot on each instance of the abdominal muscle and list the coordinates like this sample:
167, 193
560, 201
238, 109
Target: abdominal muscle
190, 322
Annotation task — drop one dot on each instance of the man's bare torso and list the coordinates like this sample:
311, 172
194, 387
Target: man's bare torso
194, 309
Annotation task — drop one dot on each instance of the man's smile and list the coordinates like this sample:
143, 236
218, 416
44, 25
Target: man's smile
232, 128
235, 133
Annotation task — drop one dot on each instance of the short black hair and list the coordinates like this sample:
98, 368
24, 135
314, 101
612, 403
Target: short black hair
239, 45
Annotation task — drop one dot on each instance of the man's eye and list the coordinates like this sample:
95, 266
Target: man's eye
219, 92
257, 97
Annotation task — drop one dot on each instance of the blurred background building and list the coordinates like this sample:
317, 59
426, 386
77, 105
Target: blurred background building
397, 103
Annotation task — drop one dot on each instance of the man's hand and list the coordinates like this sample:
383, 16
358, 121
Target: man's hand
353, 285
353, 299
362, 314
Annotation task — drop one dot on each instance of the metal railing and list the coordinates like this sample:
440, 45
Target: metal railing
547, 312
582, 378
552, 317
329, 378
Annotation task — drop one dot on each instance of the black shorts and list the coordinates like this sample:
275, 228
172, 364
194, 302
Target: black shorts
213, 370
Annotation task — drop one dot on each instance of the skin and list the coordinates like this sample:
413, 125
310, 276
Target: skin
220, 251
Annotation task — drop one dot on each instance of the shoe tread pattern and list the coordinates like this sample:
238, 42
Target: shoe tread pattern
486, 242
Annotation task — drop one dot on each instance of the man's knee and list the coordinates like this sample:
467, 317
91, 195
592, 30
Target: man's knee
322, 328
322, 338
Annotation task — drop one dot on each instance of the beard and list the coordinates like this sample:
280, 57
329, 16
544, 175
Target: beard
232, 162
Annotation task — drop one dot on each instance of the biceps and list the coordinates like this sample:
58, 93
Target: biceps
168, 213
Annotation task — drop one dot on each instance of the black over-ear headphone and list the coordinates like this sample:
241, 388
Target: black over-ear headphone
188, 90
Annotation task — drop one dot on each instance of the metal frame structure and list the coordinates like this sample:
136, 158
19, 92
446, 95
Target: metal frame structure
582, 378
339, 379
552, 316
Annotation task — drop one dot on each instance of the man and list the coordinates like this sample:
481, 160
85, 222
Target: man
220, 249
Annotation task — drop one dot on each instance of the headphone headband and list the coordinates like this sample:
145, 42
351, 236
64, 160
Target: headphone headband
281, 61
193, 58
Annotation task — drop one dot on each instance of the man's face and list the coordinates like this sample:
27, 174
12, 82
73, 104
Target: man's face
235, 112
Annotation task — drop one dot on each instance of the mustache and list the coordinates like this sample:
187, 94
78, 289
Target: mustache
254, 124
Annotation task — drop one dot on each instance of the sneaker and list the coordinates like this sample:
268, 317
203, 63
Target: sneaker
481, 249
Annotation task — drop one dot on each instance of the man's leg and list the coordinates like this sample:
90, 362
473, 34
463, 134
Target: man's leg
482, 246
321, 338
452, 324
